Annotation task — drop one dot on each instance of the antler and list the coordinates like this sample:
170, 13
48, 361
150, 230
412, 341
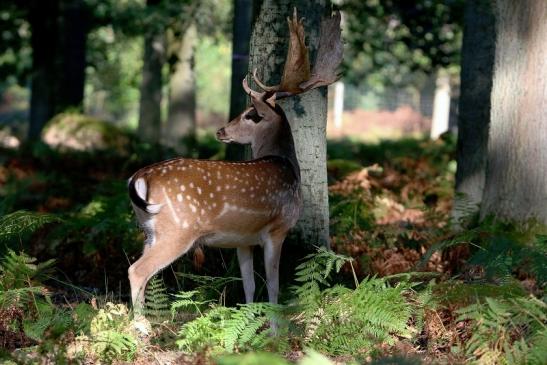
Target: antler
297, 77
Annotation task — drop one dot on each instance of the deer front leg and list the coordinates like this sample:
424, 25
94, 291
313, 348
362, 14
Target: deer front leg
245, 258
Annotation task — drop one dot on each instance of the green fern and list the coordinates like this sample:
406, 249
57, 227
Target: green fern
158, 303
512, 331
20, 279
19, 223
375, 310
204, 332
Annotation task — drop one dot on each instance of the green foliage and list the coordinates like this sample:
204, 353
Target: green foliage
509, 331
111, 335
157, 303
390, 41
104, 220
321, 317
501, 249
213, 76
350, 212
21, 223
222, 329
313, 275
20, 280
375, 310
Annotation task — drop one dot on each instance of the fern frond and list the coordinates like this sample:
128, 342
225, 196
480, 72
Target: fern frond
158, 303
23, 222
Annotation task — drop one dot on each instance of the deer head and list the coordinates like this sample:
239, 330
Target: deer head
263, 125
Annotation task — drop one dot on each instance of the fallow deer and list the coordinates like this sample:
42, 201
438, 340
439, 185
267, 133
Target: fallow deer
183, 202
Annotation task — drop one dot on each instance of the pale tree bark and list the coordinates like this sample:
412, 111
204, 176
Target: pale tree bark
241, 36
474, 110
516, 174
149, 129
441, 105
180, 130
306, 113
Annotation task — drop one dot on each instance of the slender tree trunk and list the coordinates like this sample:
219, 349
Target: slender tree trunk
43, 19
474, 109
151, 87
180, 131
441, 105
516, 174
243, 17
307, 113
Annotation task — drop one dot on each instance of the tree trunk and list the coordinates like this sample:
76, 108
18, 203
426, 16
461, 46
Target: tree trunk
180, 131
307, 113
243, 17
516, 174
441, 105
58, 39
72, 52
151, 87
43, 19
474, 109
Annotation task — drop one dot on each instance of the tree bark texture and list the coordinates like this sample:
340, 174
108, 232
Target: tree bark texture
72, 40
306, 113
58, 39
151, 86
243, 17
474, 110
516, 174
180, 131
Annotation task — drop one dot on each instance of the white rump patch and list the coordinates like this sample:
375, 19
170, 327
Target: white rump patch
142, 189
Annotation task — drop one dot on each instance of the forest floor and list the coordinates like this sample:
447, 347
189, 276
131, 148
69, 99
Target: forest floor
400, 287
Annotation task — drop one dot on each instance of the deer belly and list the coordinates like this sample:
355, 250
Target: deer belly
232, 239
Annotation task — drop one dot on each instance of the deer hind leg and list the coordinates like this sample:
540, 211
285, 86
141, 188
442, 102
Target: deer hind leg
245, 258
272, 254
161, 253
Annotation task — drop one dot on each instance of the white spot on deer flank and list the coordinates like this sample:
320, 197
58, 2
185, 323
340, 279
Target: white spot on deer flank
193, 208
199, 190
182, 187
179, 197
191, 185
185, 224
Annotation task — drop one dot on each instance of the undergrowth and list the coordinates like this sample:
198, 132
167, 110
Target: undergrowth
400, 287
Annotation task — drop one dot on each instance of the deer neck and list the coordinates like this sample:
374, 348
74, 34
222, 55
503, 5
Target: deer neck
280, 144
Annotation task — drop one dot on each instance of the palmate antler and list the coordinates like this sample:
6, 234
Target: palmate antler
297, 77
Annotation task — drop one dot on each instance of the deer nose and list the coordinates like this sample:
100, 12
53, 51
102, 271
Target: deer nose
221, 133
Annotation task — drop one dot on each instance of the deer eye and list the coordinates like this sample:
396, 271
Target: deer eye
253, 115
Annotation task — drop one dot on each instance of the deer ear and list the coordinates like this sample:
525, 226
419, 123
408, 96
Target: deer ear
261, 107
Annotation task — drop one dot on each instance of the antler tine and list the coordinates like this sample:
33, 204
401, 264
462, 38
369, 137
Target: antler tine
251, 92
262, 85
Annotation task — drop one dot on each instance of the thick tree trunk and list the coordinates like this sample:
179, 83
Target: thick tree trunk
43, 19
474, 109
72, 52
151, 87
243, 16
58, 39
180, 131
307, 114
516, 174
